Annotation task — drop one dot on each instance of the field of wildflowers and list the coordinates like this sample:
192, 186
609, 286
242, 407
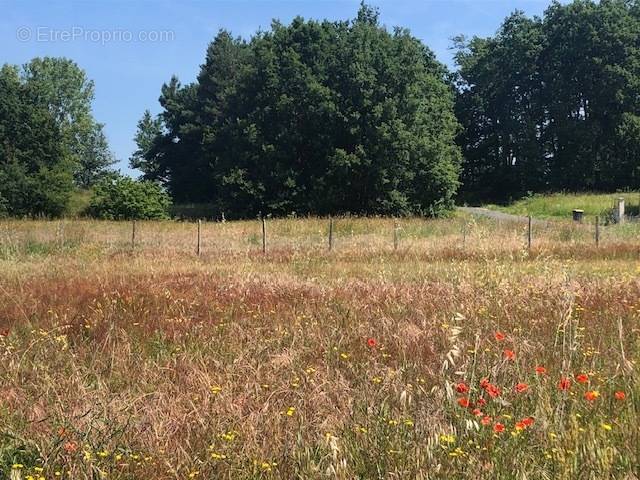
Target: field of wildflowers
460, 354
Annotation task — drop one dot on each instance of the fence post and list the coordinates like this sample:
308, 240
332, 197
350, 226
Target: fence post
529, 232
464, 233
264, 235
199, 227
395, 235
330, 233
597, 230
133, 234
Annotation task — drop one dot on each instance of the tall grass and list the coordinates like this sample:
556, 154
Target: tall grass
560, 205
363, 362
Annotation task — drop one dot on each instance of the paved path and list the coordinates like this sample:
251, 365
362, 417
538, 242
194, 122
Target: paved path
496, 215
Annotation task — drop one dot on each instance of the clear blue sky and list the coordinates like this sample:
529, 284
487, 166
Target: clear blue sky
129, 48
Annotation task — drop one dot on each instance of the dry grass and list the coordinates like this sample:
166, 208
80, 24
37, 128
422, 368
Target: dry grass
153, 363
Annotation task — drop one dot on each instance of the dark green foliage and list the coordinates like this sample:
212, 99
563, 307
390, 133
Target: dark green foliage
552, 103
122, 198
64, 87
313, 117
35, 175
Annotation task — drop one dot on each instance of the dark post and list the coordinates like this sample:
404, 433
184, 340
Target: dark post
529, 232
133, 234
395, 235
264, 235
330, 233
199, 227
597, 230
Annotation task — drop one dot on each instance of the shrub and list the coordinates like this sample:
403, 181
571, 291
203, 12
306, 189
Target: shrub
122, 198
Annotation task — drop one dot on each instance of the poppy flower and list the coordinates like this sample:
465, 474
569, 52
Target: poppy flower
582, 378
499, 336
486, 420
493, 391
4, 332
464, 402
477, 412
528, 421
372, 342
620, 395
591, 395
498, 428
462, 388
70, 447
564, 383
481, 402
540, 370
521, 387
484, 382
509, 354
520, 426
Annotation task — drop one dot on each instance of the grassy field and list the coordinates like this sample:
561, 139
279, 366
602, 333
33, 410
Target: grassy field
460, 354
560, 205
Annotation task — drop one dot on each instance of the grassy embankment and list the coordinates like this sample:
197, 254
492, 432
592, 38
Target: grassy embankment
560, 205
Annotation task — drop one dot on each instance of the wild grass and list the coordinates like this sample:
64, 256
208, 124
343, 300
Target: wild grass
149, 362
560, 205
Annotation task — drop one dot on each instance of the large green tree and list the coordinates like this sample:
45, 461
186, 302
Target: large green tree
35, 175
311, 117
551, 103
64, 87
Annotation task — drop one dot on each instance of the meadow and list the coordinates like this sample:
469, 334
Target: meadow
560, 205
455, 353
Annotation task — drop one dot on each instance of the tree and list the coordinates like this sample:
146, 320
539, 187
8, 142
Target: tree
311, 117
144, 158
548, 103
121, 198
35, 177
64, 87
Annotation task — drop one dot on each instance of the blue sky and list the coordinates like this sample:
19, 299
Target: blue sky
129, 48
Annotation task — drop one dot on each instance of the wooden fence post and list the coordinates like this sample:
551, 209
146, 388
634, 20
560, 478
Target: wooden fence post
464, 234
264, 235
395, 235
597, 230
330, 233
529, 233
133, 234
199, 227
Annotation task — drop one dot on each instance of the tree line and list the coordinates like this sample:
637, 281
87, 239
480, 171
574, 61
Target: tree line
552, 103
324, 117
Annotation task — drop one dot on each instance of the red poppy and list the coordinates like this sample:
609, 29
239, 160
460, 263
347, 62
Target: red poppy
462, 388
582, 378
481, 402
500, 336
70, 447
484, 382
521, 387
372, 343
591, 395
477, 412
464, 402
493, 391
620, 395
4, 332
528, 421
509, 354
520, 426
540, 370
498, 428
564, 383
486, 420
